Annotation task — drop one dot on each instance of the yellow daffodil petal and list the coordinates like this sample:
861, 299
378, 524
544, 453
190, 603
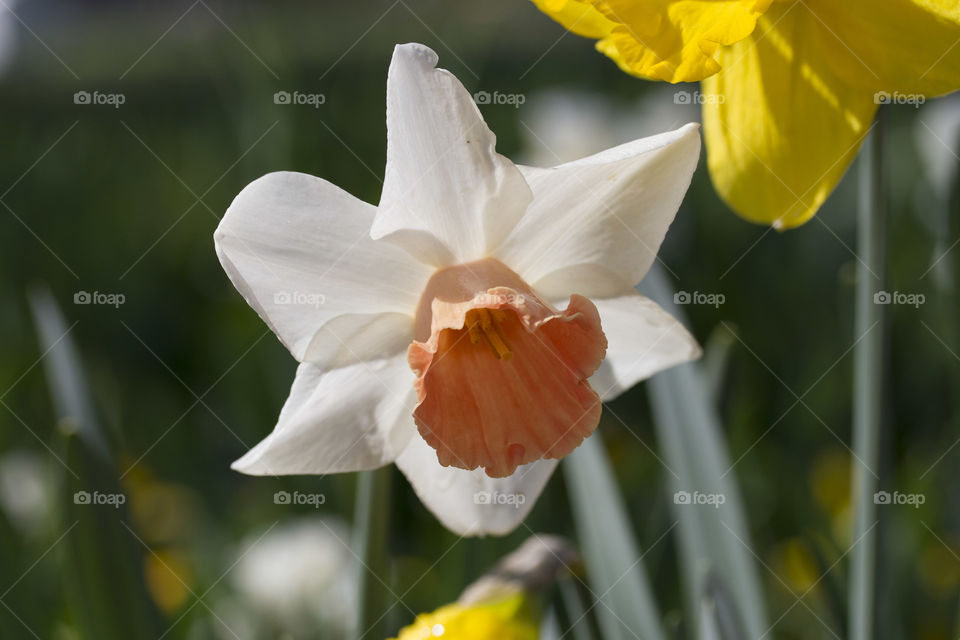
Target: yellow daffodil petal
779, 125
510, 618
910, 47
578, 16
677, 40
672, 40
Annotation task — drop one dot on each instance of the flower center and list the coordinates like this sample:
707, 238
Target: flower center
484, 324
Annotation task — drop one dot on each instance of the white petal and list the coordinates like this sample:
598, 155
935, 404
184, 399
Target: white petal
299, 251
349, 419
595, 224
642, 339
351, 338
471, 503
448, 196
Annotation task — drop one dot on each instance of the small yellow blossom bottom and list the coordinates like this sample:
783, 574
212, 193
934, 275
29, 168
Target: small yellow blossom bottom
510, 618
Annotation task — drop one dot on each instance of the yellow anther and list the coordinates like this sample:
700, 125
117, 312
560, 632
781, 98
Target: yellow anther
481, 323
476, 337
499, 315
497, 342
483, 315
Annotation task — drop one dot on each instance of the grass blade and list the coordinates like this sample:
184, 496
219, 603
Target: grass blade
68, 386
714, 538
615, 568
867, 386
104, 580
375, 600
576, 616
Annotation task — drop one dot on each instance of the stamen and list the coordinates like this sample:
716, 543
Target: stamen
481, 322
475, 336
497, 342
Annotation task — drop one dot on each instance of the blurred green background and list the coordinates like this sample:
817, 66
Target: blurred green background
185, 377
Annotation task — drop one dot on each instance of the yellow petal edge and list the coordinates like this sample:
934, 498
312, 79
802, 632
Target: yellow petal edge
582, 18
670, 40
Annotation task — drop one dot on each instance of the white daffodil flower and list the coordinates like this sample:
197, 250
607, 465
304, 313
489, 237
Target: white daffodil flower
429, 328
298, 575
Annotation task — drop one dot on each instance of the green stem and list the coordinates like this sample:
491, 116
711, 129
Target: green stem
372, 520
867, 384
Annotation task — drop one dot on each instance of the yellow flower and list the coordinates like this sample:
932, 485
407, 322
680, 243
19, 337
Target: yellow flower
508, 618
789, 88
507, 602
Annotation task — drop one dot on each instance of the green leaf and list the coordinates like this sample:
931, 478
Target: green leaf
574, 614
375, 603
716, 353
615, 569
714, 538
868, 378
550, 628
102, 558
68, 386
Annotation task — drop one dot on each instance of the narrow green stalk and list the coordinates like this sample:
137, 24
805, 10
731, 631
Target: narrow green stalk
372, 520
867, 383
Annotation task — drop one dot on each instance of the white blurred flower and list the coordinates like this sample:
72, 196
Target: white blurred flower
560, 125
300, 575
26, 493
937, 136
